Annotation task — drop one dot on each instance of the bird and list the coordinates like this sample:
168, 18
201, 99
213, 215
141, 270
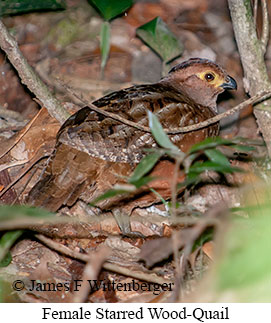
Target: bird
93, 152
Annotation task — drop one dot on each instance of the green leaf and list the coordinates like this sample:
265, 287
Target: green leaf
246, 262
166, 204
217, 141
206, 236
217, 157
142, 181
109, 9
7, 240
218, 164
6, 260
243, 147
104, 43
10, 7
157, 36
199, 167
119, 189
170, 204
123, 189
159, 134
145, 165
244, 268
191, 178
108, 194
8, 212
209, 143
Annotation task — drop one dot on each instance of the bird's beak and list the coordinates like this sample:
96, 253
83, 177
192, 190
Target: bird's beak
230, 84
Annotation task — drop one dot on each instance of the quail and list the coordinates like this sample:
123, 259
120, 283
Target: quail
93, 152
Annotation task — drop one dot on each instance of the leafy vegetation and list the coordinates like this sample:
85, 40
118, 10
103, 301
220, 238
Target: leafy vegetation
216, 161
12, 214
158, 36
6, 242
11, 7
243, 272
244, 268
109, 9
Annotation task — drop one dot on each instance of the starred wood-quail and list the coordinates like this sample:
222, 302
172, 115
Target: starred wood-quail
93, 152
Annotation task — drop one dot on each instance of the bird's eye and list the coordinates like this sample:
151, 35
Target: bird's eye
209, 77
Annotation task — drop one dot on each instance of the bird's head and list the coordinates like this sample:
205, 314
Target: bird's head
201, 80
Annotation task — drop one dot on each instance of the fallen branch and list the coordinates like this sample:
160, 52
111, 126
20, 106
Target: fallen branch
148, 277
29, 77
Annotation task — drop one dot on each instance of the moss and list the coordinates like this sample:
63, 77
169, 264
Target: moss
64, 32
249, 15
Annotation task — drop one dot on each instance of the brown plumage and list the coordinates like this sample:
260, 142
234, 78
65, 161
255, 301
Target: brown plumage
93, 152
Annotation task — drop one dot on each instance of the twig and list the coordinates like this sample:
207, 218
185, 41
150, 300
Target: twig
265, 26
28, 126
106, 113
22, 175
178, 275
91, 272
13, 163
93, 261
258, 97
19, 194
174, 183
140, 275
61, 248
148, 277
27, 222
255, 11
174, 238
29, 77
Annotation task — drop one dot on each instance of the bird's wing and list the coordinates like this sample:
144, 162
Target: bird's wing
113, 141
